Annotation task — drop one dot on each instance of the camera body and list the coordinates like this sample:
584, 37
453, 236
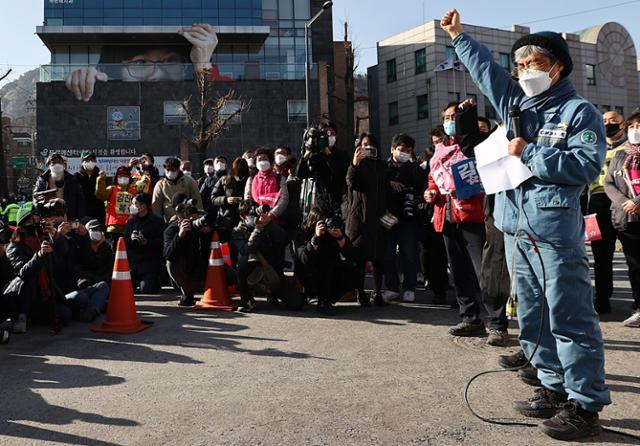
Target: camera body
186, 211
409, 204
334, 223
315, 139
137, 237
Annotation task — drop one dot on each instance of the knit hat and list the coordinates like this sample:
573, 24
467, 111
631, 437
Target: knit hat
550, 41
23, 214
55, 155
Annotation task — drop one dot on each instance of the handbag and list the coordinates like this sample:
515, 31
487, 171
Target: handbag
591, 229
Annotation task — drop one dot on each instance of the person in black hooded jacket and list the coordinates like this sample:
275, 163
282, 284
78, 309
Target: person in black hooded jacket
87, 177
66, 185
367, 197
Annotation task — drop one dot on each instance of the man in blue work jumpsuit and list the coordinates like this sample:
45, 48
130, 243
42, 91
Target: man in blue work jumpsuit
563, 144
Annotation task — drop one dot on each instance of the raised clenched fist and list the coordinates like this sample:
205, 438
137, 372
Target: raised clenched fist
451, 23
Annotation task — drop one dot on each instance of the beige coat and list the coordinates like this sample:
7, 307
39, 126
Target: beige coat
165, 190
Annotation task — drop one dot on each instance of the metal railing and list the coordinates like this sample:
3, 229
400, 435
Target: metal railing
149, 72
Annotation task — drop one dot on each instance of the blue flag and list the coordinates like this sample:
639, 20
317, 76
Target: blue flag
466, 179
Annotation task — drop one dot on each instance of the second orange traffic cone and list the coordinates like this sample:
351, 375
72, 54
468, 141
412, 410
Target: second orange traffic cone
121, 309
216, 294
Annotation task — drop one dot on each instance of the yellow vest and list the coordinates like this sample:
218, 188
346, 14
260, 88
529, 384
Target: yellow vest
597, 187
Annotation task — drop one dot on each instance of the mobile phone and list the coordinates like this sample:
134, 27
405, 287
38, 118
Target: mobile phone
75, 224
370, 151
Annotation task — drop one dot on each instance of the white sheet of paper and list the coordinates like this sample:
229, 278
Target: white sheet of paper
498, 170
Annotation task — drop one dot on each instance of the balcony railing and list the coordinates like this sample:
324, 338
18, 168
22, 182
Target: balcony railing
176, 72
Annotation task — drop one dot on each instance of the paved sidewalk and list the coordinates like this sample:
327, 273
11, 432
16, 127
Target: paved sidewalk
375, 376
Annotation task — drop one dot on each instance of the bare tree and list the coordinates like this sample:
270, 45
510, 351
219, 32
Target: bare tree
206, 116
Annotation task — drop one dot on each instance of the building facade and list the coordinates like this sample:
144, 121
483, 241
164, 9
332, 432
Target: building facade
410, 94
260, 56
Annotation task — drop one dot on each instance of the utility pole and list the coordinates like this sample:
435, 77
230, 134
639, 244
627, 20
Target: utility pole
3, 165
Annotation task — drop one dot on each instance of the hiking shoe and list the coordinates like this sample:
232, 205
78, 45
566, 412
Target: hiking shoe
498, 338
512, 361
572, 422
544, 403
388, 295
20, 324
468, 329
529, 376
186, 301
633, 321
409, 296
379, 300
247, 307
363, 299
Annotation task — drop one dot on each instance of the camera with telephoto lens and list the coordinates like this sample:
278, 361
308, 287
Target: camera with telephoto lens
315, 140
188, 210
409, 203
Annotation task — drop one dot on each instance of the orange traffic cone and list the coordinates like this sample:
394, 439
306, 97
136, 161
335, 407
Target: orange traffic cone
121, 310
226, 254
216, 294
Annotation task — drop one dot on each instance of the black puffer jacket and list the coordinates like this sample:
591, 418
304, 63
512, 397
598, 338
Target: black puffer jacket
26, 265
145, 259
94, 208
367, 196
73, 195
224, 188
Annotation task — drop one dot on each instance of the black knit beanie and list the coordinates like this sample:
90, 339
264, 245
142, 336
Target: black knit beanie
550, 41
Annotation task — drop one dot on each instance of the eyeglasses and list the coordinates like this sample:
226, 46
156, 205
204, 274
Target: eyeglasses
143, 69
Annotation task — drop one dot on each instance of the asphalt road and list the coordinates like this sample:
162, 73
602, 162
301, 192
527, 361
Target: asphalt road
375, 376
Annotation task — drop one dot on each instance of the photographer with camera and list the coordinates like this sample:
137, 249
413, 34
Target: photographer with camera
118, 198
261, 243
187, 245
87, 177
65, 185
174, 182
143, 236
407, 181
367, 194
323, 169
326, 263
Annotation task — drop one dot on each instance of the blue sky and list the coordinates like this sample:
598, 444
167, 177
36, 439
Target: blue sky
370, 21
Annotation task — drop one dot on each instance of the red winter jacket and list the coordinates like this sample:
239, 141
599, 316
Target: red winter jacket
469, 210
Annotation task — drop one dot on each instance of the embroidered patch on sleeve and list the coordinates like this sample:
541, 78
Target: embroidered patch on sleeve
589, 137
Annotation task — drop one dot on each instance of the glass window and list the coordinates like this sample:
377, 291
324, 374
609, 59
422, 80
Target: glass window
472, 96
392, 76
285, 9
394, 118
453, 96
591, 74
620, 110
297, 110
421, 61
423, 106
505, 61
303, 9
230, 108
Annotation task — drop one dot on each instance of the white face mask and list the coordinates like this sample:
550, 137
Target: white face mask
133, 209
264, 166
89, 165
281, 159
402, 157
332, 140
187, 172
95, 235
220, 166
57, 170
209, 169
171, 174
534, 82
634, 136
251, 162
123, 181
